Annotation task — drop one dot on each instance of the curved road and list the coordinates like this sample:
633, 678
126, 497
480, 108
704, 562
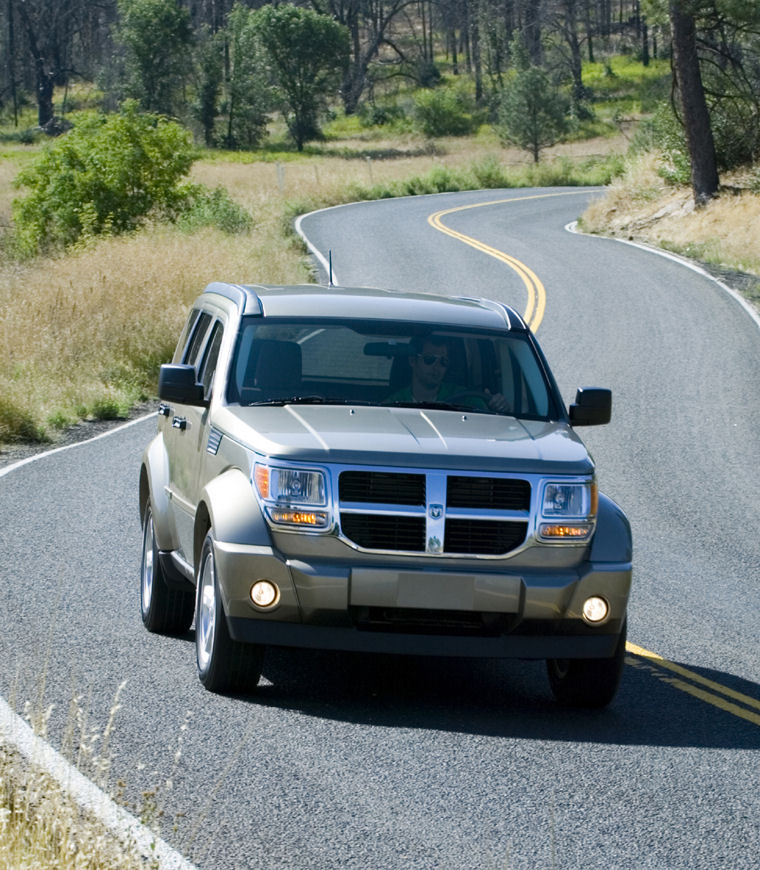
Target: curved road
361, 762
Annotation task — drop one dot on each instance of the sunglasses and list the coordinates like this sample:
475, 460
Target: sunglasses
430, 358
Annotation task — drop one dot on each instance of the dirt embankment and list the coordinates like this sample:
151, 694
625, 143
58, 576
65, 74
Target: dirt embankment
723, 236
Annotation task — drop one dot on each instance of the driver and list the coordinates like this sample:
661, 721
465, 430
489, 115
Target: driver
429, 362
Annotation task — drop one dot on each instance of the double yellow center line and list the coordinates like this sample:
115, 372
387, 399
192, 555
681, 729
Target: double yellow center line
695, 684
534, 310
679, 677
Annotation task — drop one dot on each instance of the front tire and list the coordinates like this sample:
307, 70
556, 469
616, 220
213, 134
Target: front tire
224, 665
590, 683
164, 609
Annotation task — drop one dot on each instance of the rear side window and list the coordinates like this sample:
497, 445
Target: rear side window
197, 336
210, 357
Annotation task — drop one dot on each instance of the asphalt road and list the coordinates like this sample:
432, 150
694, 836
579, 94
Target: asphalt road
374, 762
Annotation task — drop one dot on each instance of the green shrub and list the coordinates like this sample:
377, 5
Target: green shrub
375, 115
663, 133
489, 173
17, 424
443, 112
105, 176
214, 208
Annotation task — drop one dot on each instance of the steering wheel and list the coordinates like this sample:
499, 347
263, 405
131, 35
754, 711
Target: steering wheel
470, 394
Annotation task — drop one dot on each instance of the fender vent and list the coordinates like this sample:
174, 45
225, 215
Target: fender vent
214, 440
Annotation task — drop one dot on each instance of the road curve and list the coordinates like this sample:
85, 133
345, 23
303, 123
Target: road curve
359, 761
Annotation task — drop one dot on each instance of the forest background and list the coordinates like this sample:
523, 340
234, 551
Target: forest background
149, 146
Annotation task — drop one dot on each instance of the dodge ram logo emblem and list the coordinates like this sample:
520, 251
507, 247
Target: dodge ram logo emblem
435, 511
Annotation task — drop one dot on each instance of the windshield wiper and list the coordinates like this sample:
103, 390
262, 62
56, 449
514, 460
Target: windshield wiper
438, 406
291, 400
310, 400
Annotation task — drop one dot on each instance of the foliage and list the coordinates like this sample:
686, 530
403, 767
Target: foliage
378, 115
214, 208
17, 424
663, 133
307, 53
532, 113
156, 38
105, 176
444, 111
210, 74
248, 100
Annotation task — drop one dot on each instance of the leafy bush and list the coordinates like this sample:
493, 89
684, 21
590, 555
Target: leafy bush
214, 208
104, 177
489, 173
443, 112
17, 424
375, 115
663, 133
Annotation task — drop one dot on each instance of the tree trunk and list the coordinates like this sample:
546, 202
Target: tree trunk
644, 42
532, 31
573, 43
696, 118
12, 63
44, 79
475, 41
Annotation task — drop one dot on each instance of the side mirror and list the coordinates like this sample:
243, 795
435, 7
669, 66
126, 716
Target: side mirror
177, 383
592, 407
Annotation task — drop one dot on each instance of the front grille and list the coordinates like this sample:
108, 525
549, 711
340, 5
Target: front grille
486, 537
383, 532
433, 512
380, 487
495, 493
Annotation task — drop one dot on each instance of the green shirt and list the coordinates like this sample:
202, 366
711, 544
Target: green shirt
445, 392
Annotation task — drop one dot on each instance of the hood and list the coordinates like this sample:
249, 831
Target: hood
409, 437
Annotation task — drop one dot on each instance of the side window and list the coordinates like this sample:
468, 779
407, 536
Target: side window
210, 358
183, 339
197, 339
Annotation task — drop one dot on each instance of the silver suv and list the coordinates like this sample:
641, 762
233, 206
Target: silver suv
387, 472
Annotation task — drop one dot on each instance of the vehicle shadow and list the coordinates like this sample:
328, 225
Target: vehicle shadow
507, 698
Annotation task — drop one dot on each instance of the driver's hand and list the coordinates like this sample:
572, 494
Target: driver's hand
496, 402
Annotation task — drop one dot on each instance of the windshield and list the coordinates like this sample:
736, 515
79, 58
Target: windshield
388, 363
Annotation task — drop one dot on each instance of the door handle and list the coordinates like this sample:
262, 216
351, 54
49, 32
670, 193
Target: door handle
179, 423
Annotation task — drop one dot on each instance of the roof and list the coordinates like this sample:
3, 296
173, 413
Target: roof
316, 300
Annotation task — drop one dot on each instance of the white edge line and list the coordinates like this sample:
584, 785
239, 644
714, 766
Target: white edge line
320, 257
129, 830
15, 733
13, 466
676, 258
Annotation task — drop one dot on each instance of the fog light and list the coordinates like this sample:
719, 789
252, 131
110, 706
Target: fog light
265, 594
595, 609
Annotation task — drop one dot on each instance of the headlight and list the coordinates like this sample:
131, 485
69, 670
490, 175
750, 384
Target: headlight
290, 495
568, 510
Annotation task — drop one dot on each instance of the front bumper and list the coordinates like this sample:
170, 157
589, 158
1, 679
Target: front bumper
419, 609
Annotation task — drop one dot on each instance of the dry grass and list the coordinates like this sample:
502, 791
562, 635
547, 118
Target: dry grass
640, 205
41, 827
83, 334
